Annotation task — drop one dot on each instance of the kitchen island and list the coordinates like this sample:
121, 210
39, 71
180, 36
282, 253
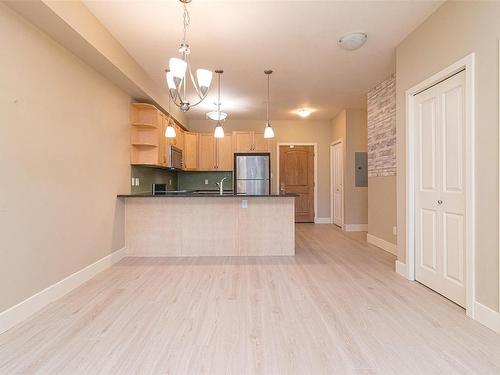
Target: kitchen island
193, 224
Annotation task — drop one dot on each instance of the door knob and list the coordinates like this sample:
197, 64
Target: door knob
440, 201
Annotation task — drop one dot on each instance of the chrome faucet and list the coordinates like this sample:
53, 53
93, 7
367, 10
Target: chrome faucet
220, 184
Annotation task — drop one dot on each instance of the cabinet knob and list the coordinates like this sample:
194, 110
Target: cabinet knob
440, 201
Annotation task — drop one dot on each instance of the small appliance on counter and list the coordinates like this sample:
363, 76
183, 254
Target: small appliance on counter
158, 189
251, 174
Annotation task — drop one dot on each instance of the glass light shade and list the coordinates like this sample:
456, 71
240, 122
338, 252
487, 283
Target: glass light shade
170, 131
170, 80
268, 131
177, 68
217, 116
219, 131
204, 77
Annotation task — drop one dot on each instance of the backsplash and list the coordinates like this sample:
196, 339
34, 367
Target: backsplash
196, 180
150, 175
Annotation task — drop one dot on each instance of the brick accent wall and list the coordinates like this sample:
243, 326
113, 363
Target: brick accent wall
382, 129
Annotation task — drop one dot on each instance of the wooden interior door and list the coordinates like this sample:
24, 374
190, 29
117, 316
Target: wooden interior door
206, 152
440, 188
297, 176
225, 153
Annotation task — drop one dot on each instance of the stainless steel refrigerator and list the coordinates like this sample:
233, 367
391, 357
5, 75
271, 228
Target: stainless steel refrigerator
252, 174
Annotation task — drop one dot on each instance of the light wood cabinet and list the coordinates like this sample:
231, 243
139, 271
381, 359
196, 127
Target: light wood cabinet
251, 142
206, 152
225, 153
146, 126
190, 151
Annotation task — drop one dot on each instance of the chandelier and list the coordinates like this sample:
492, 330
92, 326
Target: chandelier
179, 72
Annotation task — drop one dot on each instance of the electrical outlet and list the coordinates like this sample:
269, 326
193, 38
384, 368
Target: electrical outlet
170, 181
133, 181
206, 181
137, 181
395, 231
244, 203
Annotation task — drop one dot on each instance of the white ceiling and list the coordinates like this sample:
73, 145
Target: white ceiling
297, 39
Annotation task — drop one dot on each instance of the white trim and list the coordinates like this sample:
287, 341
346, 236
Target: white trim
315, 169
499, 181
356, 227
383, 244
337, 141
486, 316
401, 269
468, 63
322, 220
23, 310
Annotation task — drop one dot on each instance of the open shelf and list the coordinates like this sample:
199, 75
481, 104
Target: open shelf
143, 125
144, 144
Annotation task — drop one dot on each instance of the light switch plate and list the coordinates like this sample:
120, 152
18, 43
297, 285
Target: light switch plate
206, 181
133, 181
244, 203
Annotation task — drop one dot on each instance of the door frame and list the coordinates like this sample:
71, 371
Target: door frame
467, 63
278, 144
334, 143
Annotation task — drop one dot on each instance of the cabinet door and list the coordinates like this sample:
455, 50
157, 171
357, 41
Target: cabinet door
260, 144
190, 151
225, 153
206, 149
243, 141
179, 137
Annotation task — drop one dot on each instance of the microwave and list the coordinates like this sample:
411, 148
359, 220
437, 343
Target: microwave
174, 157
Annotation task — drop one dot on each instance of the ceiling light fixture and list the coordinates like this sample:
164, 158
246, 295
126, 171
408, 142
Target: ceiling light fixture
268, 131
217, 116
176, 73
169, 130
304, 112
353, 41
219, 130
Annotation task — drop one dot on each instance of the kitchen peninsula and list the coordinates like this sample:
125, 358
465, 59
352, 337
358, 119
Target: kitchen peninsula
193, 224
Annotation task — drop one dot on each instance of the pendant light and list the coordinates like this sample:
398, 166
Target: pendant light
268, 131
170, 130
180, 72
219, 130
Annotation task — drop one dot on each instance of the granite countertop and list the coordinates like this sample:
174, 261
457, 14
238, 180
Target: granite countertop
197, 194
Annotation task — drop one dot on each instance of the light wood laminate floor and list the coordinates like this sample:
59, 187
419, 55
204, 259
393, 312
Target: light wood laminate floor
336, 307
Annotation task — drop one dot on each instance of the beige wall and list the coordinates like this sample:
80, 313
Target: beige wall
382, 207
350, 126
63, 158
290, 131
455, 30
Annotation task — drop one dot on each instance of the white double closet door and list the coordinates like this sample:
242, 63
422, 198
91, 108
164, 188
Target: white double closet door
440, 188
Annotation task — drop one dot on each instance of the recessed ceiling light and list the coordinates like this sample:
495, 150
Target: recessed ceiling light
304, 112
353, 41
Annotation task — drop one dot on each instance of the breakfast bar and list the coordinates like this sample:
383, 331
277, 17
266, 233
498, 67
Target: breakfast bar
190, 224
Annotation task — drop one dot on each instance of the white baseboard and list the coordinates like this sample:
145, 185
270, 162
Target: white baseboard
401, 268
31, 305
383, 244
356, 227
322, 220
487, 317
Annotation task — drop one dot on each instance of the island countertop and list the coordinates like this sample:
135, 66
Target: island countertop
204, 195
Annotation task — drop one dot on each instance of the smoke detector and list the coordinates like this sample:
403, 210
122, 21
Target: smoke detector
352, 41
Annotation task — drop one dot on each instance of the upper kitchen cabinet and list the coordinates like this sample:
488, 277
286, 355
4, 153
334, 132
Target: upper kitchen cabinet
206, 150
190, 151
225, 153
249, 141
146, 130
